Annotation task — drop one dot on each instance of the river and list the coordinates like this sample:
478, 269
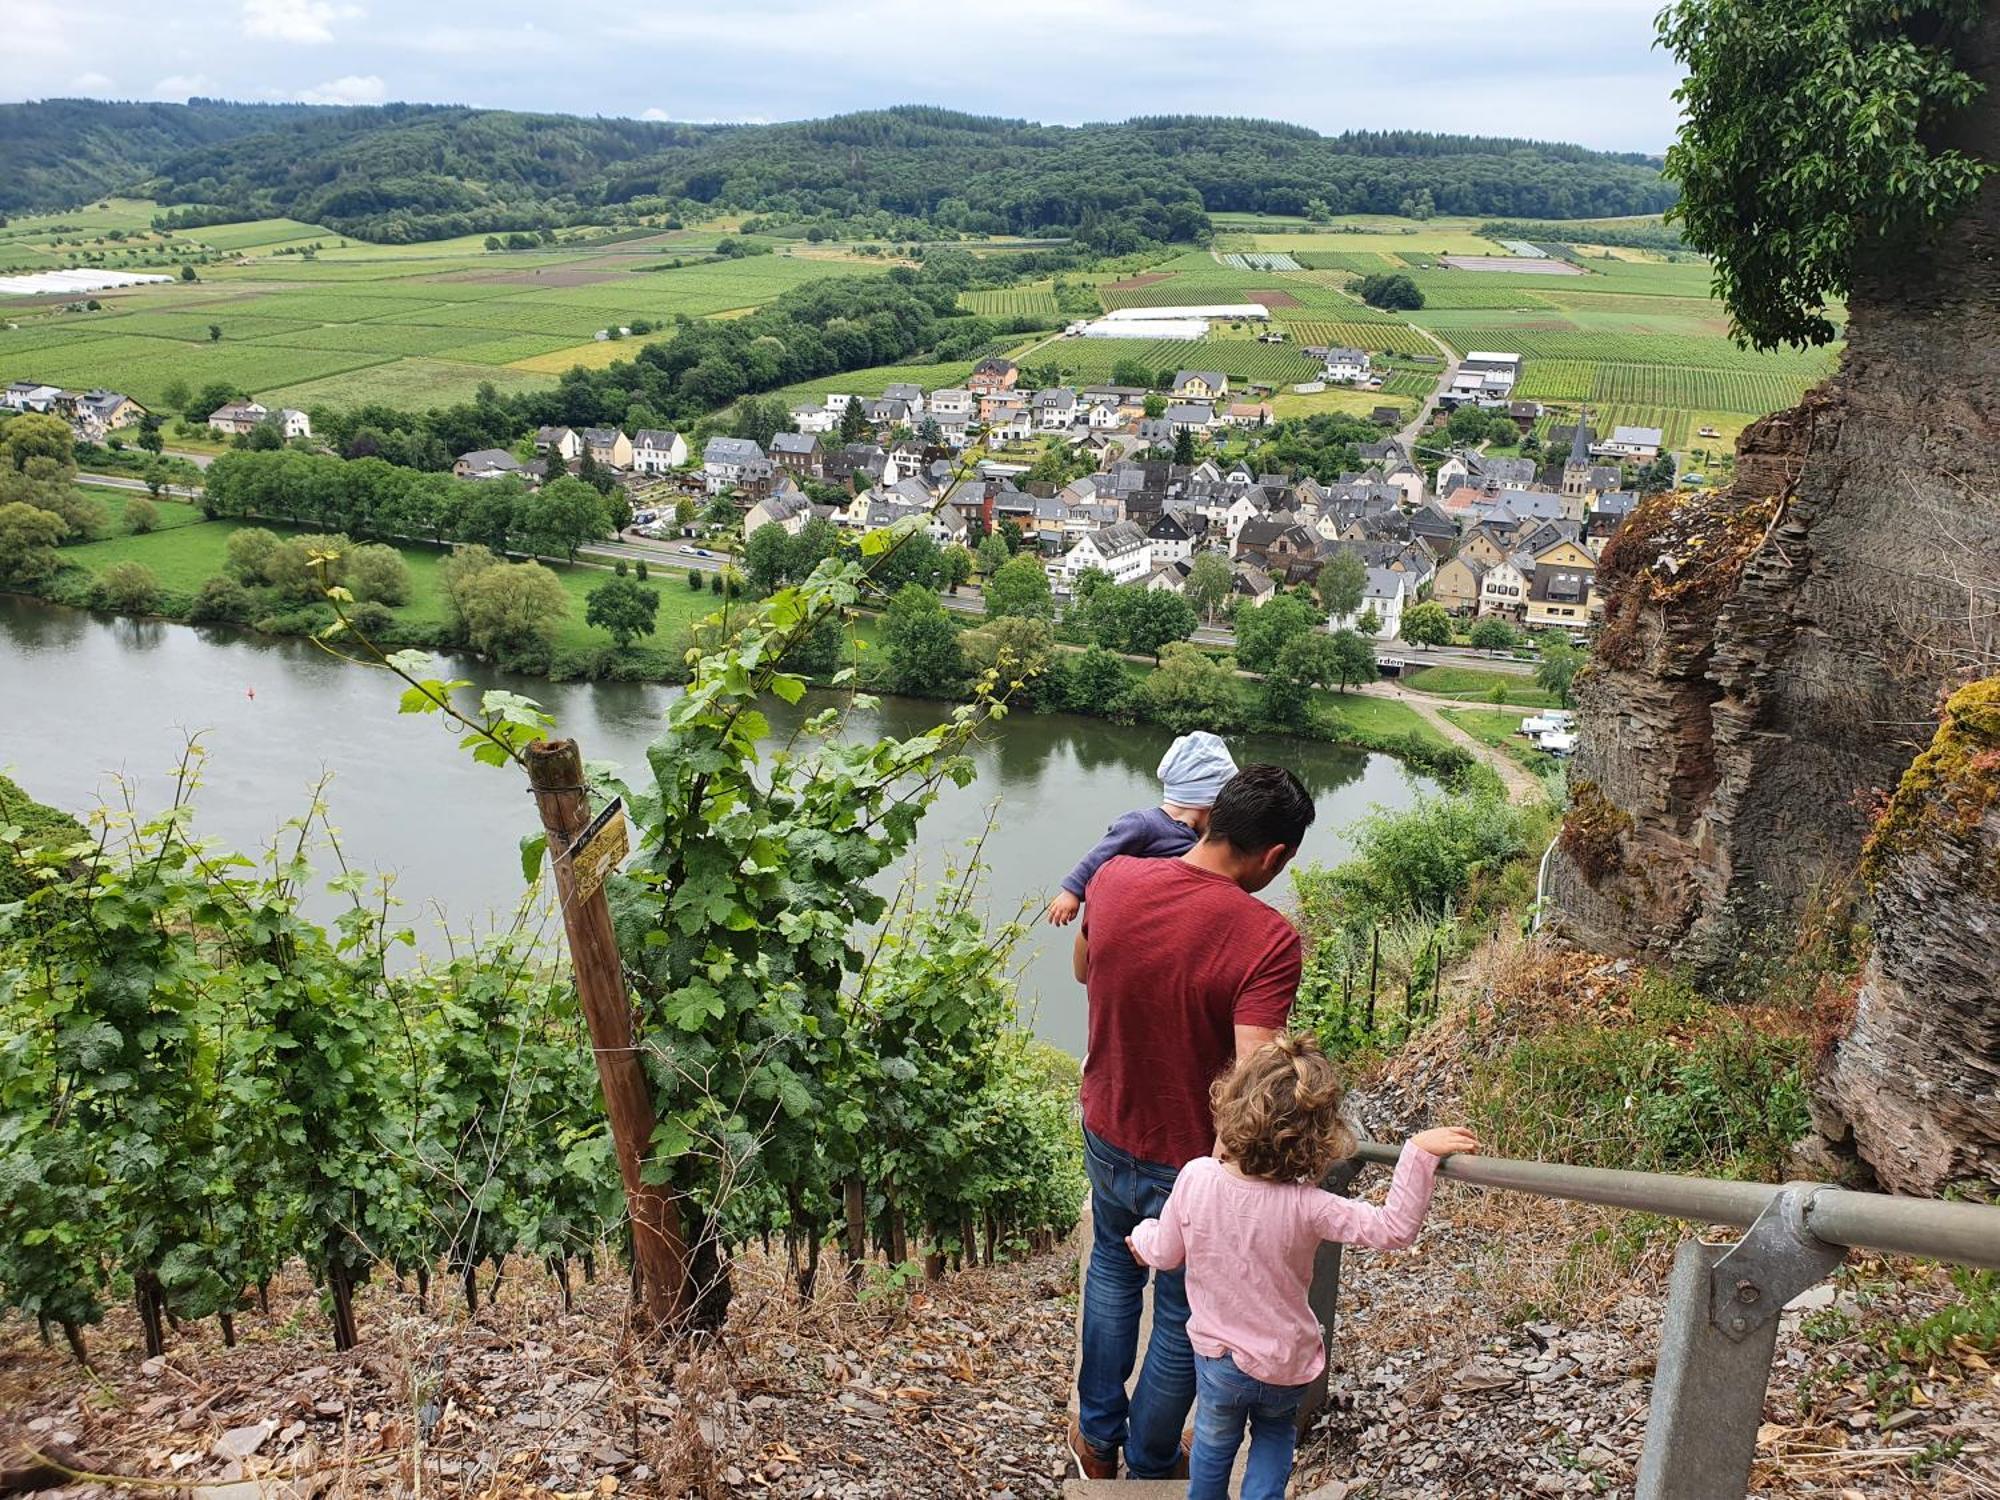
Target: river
87, 699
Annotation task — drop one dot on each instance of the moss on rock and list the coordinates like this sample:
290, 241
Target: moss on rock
1948, 789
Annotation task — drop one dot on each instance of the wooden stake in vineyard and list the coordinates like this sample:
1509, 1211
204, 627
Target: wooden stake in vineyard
659, 1250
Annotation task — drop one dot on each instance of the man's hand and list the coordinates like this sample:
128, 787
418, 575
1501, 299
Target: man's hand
1449, 1140
1062, 911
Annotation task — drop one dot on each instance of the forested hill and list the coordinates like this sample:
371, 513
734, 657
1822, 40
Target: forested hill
57, 153
401, 172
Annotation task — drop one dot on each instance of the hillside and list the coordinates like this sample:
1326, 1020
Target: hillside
56, 153
405, 172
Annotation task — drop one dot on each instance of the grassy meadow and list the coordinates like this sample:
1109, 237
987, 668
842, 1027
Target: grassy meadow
410, 325
186, 551
306, 317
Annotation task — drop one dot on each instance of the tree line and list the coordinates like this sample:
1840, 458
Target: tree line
401, 172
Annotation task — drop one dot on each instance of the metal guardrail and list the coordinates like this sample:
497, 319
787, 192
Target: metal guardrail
1720, 1329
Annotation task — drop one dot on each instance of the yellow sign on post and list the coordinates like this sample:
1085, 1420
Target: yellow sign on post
598, 850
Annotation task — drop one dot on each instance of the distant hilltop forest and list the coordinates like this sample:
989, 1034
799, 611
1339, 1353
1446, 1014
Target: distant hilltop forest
402, 172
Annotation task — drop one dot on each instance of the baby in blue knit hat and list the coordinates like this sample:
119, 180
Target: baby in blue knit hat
1192, 773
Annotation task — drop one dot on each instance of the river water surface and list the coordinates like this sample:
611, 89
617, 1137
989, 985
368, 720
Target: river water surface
87, 699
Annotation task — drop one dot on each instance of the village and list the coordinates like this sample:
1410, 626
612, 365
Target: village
1512, 538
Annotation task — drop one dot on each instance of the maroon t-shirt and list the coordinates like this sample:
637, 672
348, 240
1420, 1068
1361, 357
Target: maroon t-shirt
1179, 957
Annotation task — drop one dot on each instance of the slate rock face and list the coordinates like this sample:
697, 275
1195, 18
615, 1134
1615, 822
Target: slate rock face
1915, 1085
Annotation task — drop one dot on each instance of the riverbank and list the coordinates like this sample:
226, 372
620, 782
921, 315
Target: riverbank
182, 553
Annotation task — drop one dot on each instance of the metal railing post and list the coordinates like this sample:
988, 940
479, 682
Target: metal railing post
1716, 1345
1323, 1295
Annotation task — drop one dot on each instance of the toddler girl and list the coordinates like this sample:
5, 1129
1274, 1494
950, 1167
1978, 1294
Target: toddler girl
1247, 1222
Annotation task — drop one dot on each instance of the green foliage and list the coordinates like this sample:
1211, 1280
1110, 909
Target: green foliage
1343, 583
1208, 583
221, 600
1131, 617
623, 607
1556, 669
1263, 630
128, 586
1427, 624
1018, 587
1191, 690
202, 1084
785, 1062
1493, 634
1811, 143
35, 435
510, 612
1677, 1085
920, 643
28, 540
1391, 291
376, 573
1354, 659
141, 516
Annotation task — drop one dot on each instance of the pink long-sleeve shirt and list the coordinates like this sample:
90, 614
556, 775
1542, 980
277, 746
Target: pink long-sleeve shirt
1248, 1245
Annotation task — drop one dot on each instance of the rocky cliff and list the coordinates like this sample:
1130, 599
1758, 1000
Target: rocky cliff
1914, 1088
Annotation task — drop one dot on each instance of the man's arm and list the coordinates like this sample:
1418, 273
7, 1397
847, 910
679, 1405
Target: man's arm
1248, 1038
1079, 957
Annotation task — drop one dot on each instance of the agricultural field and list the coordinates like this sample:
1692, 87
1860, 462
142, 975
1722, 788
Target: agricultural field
1242, 359
872, 382
1013, 302
1377, 338
411, 324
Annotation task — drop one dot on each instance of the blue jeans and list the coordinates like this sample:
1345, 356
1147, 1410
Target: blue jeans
1124, 1190
1229, 1400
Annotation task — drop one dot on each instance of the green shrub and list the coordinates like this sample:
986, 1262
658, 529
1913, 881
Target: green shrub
221, 600
1678, 1084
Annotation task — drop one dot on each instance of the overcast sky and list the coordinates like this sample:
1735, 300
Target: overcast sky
1574, 70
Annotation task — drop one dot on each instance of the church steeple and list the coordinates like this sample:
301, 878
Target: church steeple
1579, 440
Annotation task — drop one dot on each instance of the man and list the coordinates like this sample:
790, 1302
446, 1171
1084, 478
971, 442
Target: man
1185, 968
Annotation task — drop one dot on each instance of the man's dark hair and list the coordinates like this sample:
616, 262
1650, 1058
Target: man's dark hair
1261, 806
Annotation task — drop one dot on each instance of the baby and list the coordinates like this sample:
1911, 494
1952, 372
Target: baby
1192, 773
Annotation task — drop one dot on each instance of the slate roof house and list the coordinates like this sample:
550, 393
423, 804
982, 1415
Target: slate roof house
797, 451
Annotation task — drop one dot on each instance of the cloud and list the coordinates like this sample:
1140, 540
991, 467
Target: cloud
307, 22
655, 113
92, 83
178, 86
348, 90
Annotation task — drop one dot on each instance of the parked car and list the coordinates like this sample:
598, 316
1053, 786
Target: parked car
697, 552
1557, 742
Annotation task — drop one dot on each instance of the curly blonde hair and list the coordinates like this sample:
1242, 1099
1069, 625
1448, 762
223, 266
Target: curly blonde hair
1277, 1112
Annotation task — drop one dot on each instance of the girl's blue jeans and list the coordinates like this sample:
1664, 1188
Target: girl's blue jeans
1226, 1402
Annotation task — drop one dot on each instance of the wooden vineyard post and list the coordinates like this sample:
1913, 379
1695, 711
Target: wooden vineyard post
659, 1251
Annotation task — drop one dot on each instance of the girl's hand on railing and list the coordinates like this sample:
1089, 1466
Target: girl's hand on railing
1448, 1140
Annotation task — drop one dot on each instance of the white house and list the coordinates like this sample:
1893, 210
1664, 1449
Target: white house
1055, 407
238, 417
1120, 551
1190, 416
811, 416
1486, 376
1641, 443
1503, 588
655, 450
724, 460
293, 423
29, 395
566, 441
1386, 594
1344, 366
1016, 426
788, 511
947, 405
